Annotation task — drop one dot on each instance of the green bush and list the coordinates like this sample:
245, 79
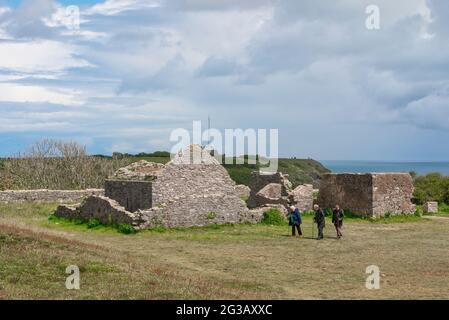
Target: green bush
431, 187
443, 208
273, 217
126, 229
93, 223
328, 212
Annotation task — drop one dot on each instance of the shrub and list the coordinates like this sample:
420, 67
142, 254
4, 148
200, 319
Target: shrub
53, 164
93, 223
431, 187
273, 217
126, 229
443, 208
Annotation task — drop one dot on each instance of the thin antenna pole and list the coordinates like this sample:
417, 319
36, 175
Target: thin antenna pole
208, 130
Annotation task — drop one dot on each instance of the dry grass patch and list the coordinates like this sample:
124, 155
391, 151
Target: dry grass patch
241, 261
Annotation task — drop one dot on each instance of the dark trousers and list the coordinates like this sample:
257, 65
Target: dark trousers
298, 227
320, 231
338, 229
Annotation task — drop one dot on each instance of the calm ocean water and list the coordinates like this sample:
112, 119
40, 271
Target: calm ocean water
420, 168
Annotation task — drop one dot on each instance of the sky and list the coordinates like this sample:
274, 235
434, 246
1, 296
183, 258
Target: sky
137, 69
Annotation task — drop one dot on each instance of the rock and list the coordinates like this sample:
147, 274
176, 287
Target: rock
430, 207
140, 170
243, 191
260, 181
302, 197
271, 192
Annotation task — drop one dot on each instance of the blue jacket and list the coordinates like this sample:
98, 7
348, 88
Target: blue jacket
295, 217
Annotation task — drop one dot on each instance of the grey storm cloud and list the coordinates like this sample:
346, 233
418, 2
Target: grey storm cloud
310, 68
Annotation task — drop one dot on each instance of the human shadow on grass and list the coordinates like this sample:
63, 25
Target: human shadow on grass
309, 237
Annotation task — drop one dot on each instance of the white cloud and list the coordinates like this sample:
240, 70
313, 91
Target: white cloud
39, 56
114, 7
26, 93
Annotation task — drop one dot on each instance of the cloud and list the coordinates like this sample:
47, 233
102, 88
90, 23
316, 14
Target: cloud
26, 22
216, 67
19, 93
430, 112
47, 56
137, 69
114, 7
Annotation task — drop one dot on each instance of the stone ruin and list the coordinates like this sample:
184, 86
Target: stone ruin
430, 207
193, 189
275, 190
368, 195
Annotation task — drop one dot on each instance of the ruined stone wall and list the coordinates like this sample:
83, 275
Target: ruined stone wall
369, 195
302, 197
259, 181
430, 207
105, 210
133, 195
392, 193
48, 195
196, 195
350, 191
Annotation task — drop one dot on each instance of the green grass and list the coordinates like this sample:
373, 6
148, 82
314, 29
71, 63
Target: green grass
443, 208
242, 261
91, 224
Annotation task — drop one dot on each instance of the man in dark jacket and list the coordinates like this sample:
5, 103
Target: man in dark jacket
337, 219
320, 220
295, 221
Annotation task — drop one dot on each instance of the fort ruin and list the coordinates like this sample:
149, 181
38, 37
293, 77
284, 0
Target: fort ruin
193, 189
368, 195
276, 189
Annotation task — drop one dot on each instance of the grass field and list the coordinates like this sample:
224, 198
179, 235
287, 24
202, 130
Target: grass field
221, 262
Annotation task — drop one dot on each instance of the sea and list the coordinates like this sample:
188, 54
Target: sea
421, 168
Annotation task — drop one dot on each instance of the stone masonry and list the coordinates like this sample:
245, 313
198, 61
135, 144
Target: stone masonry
243, 191
265, 186
368, 195
44, 195
302, 197
276, 189
133, 195
430, 207
191, 190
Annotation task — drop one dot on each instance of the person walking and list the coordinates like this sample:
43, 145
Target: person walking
320, 220
295, 221
337, 219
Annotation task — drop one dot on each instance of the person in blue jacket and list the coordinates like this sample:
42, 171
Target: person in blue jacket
295, 221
